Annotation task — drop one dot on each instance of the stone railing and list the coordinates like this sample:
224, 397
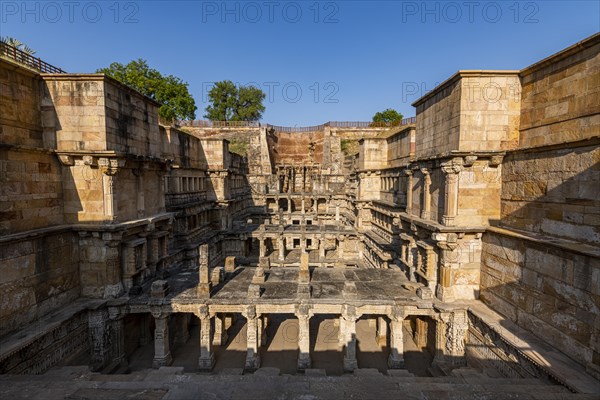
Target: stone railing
290, 129
177, 199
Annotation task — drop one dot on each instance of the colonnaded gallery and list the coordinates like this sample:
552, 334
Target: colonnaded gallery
456, 255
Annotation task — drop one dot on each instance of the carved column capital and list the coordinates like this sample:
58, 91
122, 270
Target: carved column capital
250, 312
398, 313
349, 313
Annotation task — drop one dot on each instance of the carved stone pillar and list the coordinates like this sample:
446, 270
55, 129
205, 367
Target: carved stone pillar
451, 331
117, 336
396, 358
382, 331
448, 262
322, 248
162, 190
409, 190
303, 210
139, 175
341, 247
99, 331
204, 283
110, 168
426, 210
303, 315
220, 337
162, 351
451, 169
264, 321
206, 361
348, 337
262, 247
281, 245
421, 329
252, 356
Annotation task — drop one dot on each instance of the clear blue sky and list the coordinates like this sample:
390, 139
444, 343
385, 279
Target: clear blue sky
349, 59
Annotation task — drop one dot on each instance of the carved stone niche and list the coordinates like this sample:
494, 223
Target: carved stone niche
134, 259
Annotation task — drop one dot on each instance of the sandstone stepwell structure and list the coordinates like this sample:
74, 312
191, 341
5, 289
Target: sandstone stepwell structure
458, 252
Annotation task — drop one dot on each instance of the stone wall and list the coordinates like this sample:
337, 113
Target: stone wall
438, 121
401, 147
30, 187
20, 102
471, 111
552, 291
37, 275
553, 192
299, 147
541, 266
561, 97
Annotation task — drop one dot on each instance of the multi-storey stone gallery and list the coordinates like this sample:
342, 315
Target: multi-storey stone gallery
459, 248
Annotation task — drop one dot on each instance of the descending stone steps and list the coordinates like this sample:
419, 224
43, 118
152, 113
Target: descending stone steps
171, 383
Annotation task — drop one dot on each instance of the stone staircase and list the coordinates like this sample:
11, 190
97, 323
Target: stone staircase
171, 383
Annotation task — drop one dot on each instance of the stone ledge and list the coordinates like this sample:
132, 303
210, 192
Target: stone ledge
570, 245
557, 364
35, 330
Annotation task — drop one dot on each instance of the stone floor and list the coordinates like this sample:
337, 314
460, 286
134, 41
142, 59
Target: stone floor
171, 383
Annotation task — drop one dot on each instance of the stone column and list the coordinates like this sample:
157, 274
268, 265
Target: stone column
421, 328
303, 315
426, 211
109, 168
220, 337
281, 245
451, 331
252, 356
162, 190
139, 175
409, 191
182, 332
259, 330
396, 358
382, 331
118, 336
337, 214
162, 351
303, 210
451, 169
99, 331
261, 242
341, 247
448, 262
322, 248
263, 334
206, 361
348, 337
204, 284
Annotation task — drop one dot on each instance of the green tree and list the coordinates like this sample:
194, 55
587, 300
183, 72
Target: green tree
388, 116
170, 91
18, 44
230, 103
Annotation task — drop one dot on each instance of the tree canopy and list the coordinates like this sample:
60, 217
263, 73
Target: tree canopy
170, 91
388, 116
232, 103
